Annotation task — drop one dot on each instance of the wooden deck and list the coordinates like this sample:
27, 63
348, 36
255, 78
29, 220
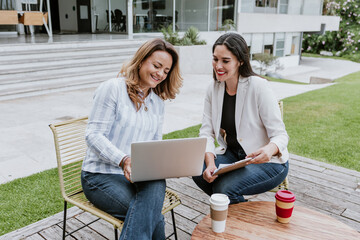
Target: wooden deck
332, 190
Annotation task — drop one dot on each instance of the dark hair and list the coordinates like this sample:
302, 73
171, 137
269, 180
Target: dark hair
168, 88
236, 44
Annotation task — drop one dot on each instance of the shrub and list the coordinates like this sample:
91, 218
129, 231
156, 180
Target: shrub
191, 36
346, 41
265, 60
228, 25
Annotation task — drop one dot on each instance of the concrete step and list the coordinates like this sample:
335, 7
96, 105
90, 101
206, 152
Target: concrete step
49, 74
55, 85
66, 46
6, 69
28, 70
50, 56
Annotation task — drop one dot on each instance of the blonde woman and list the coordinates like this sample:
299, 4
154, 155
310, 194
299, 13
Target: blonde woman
129, 109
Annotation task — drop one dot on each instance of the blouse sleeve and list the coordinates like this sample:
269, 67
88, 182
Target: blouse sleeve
100, 123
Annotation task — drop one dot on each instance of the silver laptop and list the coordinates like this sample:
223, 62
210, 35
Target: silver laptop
167, 159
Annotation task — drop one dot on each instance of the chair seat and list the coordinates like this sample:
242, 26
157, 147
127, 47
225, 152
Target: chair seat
171, 200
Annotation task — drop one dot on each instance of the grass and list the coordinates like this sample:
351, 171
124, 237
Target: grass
27, 200
322, 125
283, 80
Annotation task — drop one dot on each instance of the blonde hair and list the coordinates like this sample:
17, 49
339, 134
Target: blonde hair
168, 88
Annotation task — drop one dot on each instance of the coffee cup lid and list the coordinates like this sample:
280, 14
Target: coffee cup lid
285, 196
219, 199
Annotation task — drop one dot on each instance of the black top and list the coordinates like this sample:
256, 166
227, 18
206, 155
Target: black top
228, 124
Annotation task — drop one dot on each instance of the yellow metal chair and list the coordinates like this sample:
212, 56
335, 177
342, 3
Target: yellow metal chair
70, 146
285, 184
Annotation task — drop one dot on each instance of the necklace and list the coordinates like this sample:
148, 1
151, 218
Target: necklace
142, 95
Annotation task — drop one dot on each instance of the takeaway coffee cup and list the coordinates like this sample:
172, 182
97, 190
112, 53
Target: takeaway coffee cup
219, 204
284, 205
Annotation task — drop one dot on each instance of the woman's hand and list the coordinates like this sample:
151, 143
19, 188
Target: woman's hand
210, 168
207, 174
127, 168
264, 154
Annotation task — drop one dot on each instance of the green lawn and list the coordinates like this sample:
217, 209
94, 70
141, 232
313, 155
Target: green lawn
322, 125
284, 80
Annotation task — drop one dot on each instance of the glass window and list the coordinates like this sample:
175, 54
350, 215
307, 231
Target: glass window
280, 44
283, 6
152, 15
266, 6
193, 13
219, 12
268, 49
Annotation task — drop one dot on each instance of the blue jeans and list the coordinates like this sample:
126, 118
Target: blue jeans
249, 180
138, 204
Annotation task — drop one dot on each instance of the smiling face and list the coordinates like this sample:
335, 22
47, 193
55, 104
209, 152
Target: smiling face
225, 64
154, 69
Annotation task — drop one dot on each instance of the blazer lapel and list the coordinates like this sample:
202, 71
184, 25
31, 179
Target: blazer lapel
240, 100
219, 106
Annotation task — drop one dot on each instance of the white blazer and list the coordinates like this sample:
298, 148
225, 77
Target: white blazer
257, 118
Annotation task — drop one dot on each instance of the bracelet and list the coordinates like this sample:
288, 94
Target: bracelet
123, 161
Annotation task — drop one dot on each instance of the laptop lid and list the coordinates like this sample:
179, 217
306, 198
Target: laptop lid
163, 159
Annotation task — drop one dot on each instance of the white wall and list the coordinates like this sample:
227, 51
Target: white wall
67, 7
312, 7
257, 43
266, 23
247, 6
295, 7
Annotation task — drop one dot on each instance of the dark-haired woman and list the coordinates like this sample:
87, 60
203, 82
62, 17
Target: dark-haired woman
243, 115
125, 110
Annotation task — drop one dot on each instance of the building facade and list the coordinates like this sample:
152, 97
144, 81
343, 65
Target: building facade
269, 26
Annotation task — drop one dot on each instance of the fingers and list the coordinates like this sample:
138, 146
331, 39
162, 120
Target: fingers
259, 156
127, 169
207, 175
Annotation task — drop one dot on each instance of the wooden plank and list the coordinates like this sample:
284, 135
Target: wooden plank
186, 212
199, 218
86, 217
331, 196
295, 169
34, 237
104, 228
334, 185
189, 191
40, 225
307, 166
354, 173
194, 203
8, 17
88, 234
33, 18
354, 215
180, 234
53, 232
182, 223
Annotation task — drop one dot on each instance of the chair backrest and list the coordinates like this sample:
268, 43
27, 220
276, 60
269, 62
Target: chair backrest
70, 147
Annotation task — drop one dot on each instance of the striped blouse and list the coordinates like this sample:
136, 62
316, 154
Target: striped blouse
114, 124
